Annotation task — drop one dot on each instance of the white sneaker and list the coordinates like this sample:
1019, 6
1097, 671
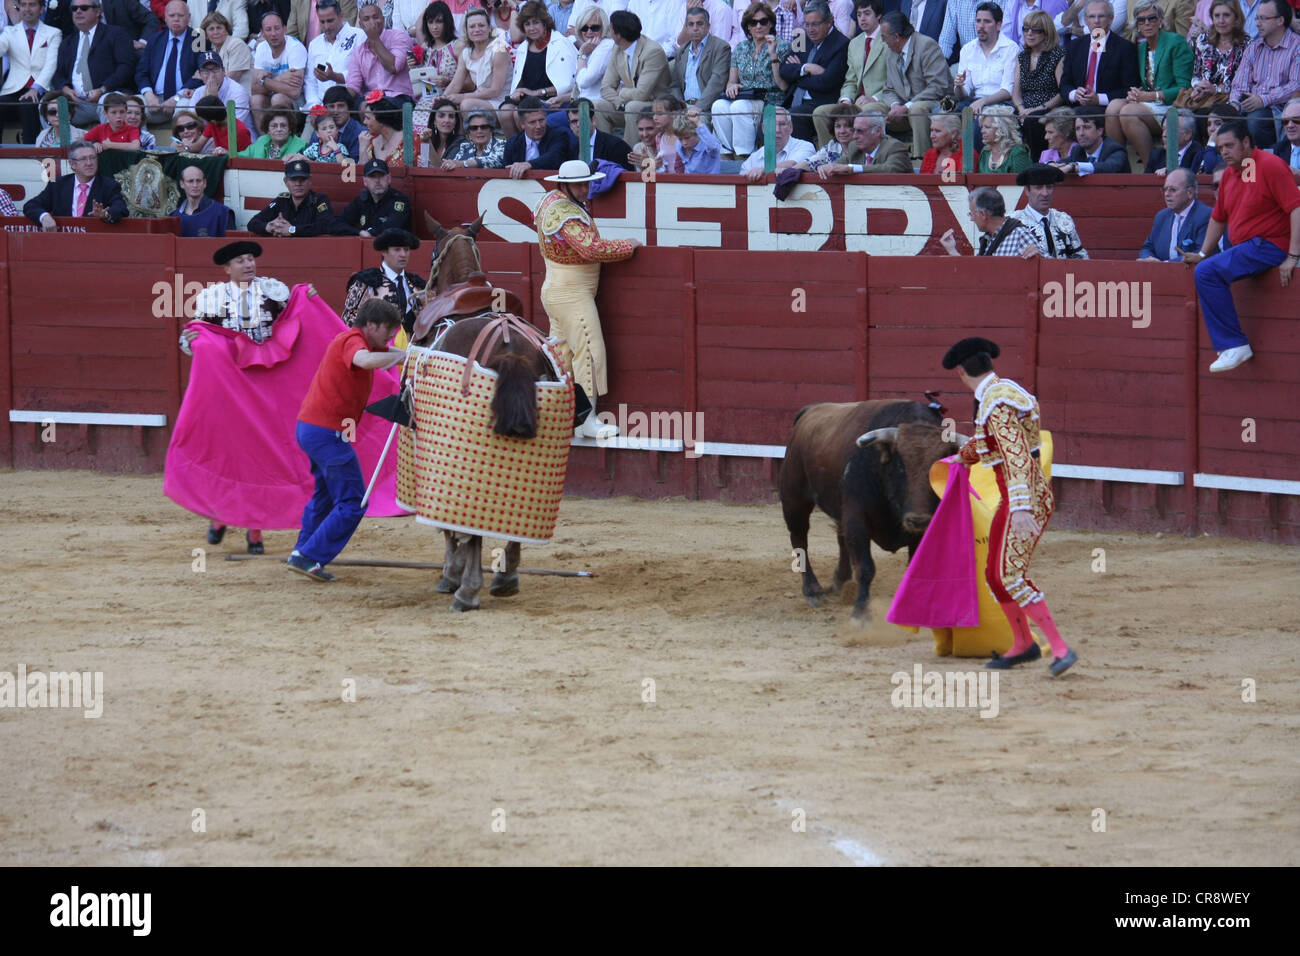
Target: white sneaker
1230, 359
593, 427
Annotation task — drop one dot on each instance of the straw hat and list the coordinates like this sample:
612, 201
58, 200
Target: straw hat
574, 171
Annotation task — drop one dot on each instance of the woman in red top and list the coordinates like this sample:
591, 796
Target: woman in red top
945, 153
327, 424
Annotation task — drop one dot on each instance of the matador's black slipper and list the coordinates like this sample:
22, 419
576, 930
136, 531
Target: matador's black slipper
1001, 663
254, 547
216, 534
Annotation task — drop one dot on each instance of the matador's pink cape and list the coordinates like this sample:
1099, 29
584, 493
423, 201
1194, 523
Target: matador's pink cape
938, 588
234, 455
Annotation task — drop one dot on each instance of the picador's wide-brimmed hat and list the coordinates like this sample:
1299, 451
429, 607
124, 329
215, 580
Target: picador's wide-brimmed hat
395, 237
574, 171
968, 349
1039, 174
233, 250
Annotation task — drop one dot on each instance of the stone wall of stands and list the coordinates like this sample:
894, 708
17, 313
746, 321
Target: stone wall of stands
738, 341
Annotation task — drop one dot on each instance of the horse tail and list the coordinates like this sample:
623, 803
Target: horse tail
515, 401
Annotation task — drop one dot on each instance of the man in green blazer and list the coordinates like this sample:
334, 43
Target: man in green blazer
866, 76
1164, 70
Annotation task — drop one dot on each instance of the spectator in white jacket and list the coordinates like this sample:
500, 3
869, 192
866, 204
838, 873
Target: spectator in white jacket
545, 62
236, 11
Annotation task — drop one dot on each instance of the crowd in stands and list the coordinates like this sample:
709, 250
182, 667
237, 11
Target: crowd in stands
702, 71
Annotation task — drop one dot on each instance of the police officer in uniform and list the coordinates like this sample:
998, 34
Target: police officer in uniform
378, 208
298, 212
395, 246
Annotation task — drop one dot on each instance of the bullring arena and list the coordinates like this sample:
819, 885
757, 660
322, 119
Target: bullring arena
685, 705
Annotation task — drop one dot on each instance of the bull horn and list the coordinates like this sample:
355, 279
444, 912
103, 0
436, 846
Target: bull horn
877, 434
475, 226
434, 227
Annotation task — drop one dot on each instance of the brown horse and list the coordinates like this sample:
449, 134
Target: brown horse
504, 345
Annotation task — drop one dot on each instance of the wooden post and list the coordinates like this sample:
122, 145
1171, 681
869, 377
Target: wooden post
967, 140
584, 132
408, 134
769, 138
1171, 137
232, 131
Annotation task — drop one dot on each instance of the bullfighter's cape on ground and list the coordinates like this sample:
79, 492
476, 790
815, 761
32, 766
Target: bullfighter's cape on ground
233, 454
938, 588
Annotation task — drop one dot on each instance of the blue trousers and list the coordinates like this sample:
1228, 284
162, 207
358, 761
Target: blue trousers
335, 511
1213, 277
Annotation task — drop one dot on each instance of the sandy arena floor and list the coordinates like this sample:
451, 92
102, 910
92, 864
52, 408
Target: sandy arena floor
223, 692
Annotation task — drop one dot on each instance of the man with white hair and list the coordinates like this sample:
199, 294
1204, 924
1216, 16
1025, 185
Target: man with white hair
1288, 147
1189, 148
789, 151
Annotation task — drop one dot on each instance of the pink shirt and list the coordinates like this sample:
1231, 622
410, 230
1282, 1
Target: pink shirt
365, 72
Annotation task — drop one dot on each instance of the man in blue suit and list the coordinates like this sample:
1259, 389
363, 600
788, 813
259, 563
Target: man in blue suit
1180, 227
168, 64
81, 193
1093, 151
816, 74
932, 16
94, 59
538, 146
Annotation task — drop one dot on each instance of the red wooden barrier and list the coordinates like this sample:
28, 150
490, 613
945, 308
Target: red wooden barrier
92, 321
89, 341
88, 224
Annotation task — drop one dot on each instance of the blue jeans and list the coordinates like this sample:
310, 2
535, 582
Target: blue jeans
335, 511
1213, 277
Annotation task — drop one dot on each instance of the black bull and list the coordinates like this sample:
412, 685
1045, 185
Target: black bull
879, 492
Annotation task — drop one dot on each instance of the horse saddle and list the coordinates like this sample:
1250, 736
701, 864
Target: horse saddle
474, 296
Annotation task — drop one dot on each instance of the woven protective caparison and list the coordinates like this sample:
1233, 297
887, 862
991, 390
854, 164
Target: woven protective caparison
456, 473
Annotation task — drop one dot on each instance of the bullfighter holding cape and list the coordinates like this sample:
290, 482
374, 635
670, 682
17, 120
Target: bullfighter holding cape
233, 455
1007, 440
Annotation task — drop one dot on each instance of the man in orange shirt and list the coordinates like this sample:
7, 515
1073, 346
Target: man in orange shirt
327, 424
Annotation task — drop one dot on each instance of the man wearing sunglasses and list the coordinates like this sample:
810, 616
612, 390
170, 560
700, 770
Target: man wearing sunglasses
33, 49
94, 59
1288, 147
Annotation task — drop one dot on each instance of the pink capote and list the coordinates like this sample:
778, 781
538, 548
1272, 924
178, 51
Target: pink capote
234, 455
938, 588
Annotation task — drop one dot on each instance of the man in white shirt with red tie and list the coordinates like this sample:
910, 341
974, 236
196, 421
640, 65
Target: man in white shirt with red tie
33, 51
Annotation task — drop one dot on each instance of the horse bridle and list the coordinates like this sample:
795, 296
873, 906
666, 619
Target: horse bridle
440, 248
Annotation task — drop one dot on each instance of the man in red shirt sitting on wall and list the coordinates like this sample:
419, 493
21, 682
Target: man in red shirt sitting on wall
327, 424
1260, 207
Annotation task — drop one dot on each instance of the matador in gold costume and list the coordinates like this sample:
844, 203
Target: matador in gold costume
573, 250
1007, 440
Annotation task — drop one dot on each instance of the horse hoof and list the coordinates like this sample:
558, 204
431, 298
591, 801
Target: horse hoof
458, 605
447, 586
813, 600
504, 585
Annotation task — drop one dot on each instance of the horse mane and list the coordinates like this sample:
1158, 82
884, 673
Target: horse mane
515, 401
